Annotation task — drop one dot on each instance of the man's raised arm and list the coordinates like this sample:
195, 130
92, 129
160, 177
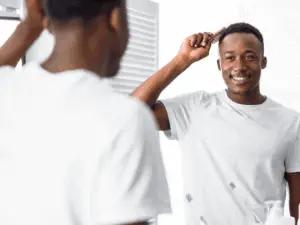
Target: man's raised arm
193, 49
24, 36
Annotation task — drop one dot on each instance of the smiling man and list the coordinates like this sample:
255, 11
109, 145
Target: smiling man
240, 148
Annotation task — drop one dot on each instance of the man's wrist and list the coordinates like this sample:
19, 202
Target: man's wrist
182, 61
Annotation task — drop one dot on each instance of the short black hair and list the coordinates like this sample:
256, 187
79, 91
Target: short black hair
242, 28
84, 10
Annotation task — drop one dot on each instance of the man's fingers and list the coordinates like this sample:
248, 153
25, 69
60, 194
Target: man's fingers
211, 39
205, 40
193, 40
199, 40
210, 42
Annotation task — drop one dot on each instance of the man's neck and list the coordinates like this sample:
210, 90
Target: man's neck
66, 60
252, 98
72, 51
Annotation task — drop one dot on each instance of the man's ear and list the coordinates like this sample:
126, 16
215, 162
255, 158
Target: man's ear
219, 64
115, 19
47, 25
264, 63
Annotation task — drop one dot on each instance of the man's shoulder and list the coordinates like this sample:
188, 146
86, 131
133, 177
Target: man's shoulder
287, 115
283, 109
199, 94
191, 98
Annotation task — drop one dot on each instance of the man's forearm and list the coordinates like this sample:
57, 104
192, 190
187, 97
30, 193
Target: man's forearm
294, 209
293, 180
149, 91
18, 43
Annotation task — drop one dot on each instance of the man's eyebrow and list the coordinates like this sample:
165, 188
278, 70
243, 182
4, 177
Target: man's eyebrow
247, 51
250, 51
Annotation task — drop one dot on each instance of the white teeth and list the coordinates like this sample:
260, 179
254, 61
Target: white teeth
240, 78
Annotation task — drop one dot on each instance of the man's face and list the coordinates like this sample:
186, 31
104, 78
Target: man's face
241, 62
119, 41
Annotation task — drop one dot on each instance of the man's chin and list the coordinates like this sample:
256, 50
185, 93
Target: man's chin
242, 91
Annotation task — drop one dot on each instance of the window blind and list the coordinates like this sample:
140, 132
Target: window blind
10, 8
141, 57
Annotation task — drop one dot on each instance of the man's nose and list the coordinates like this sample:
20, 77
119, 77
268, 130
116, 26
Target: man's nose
239, 65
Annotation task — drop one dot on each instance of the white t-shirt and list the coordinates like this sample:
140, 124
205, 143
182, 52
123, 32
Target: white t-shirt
74, 152
234, 156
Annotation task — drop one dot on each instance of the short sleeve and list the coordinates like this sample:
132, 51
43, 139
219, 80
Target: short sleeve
292, 163
180, 110
130, 185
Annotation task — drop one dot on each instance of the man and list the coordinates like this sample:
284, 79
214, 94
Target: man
237, 144
68, 154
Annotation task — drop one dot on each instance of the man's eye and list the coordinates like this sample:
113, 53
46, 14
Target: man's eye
250, 57
229, 57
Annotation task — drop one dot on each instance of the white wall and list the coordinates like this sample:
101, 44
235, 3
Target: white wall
277, 21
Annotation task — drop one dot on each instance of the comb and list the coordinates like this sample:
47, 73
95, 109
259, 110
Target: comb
217, 35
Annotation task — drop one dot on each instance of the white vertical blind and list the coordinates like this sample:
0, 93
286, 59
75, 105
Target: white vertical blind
141, 57
10, 8
11, 3
9, 12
